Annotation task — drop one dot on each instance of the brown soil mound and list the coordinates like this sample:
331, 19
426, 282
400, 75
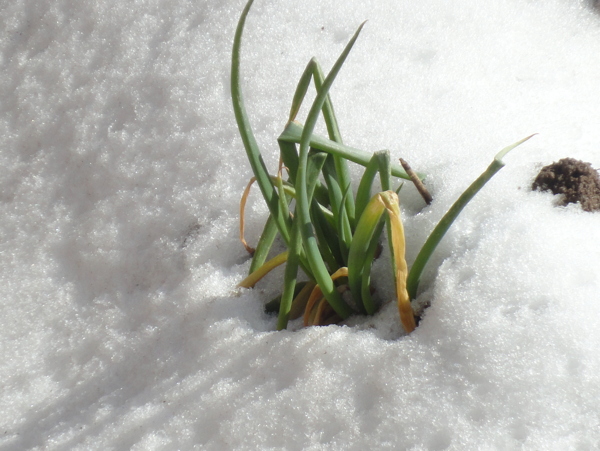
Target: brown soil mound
575, 180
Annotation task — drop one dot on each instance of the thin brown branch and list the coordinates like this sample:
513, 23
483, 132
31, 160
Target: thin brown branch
423, 191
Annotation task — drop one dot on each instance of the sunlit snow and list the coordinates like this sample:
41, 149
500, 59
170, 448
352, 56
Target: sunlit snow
121, 172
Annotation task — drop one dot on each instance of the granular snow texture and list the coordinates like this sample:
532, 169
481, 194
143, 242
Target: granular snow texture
122, 168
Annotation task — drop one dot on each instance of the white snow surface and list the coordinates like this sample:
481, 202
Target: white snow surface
121, 173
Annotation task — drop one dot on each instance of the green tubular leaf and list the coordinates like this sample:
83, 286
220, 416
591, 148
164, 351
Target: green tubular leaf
442, 227
316, 160
328, 247
503, 152
289, 156
363, 194
252, 151
342, 222
344, 239
327, 215
288, 189
283, 199
341, 167
264, 244
361, 241
385, 169
290, 275
344, 226
380, 161
303, 203
313, 69
328, 114
333, 187
293, 133
302, 88
369, 258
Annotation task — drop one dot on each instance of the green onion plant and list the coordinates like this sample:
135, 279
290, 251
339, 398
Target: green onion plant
331, 233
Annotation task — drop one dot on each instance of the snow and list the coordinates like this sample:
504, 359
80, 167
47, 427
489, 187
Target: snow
121, 327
